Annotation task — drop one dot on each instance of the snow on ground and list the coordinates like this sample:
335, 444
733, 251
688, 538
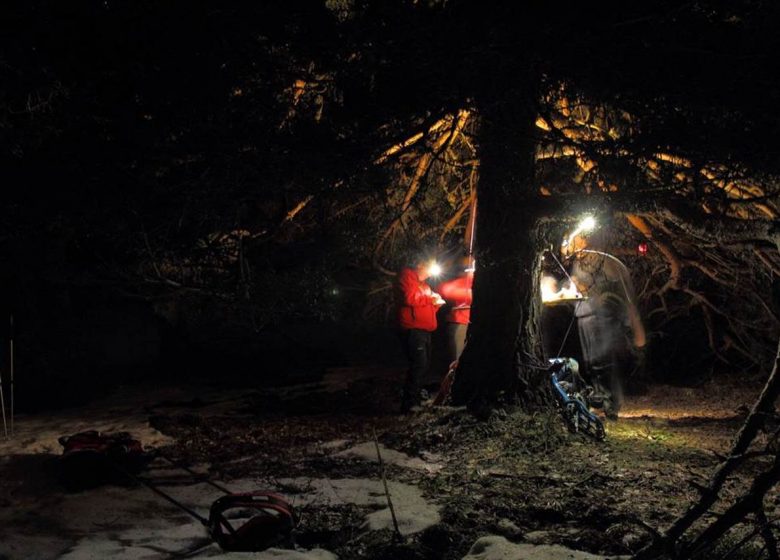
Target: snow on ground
39, 521
412, 511
120, 524
134, 524
367, 452
39, 434
498, 548
128, 412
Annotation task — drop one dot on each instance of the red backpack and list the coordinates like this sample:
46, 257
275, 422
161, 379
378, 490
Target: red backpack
90, 459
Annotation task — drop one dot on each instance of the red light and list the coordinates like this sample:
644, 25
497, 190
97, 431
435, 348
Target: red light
642, 249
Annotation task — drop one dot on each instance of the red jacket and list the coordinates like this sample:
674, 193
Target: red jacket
457, 292
415, 304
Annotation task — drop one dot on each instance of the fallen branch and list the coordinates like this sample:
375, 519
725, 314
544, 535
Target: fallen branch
753, 423
397, 531
751, 502
767, 534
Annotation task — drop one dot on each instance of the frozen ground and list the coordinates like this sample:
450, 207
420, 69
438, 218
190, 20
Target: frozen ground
39, 521
452, 480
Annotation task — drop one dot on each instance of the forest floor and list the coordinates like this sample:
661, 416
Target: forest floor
511, 479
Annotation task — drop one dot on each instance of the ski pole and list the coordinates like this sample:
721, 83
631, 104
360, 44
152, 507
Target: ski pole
11, 355
2, 405
471, 227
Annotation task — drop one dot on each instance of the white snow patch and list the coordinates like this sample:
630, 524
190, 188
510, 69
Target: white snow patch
498, 548
126, 411
367, 452
95, 549
39, 522
413, 512
40, 435
121, 524
133, 524
282, 554
32, 547
335, 444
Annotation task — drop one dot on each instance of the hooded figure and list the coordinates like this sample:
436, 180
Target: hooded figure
609, 325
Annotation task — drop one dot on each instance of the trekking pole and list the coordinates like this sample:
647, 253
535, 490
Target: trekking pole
396, 531
471, 227
11, 355
2, 405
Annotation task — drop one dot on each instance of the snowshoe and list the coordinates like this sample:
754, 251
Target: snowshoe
571, 396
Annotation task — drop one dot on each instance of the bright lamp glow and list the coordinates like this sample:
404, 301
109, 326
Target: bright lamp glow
434, 269
588, 223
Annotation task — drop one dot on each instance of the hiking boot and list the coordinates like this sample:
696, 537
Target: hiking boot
596, 401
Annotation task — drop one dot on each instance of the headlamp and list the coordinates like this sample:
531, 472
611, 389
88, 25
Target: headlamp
586, 225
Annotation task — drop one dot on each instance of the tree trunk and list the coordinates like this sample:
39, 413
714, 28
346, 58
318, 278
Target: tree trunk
500, 362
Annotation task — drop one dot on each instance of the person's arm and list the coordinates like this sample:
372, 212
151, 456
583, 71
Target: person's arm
453, 292
413, 295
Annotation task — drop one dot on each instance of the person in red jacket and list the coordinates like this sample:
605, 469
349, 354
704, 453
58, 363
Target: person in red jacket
457, 292
417, 306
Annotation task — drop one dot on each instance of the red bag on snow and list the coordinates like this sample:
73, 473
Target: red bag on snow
252, 521
90, 459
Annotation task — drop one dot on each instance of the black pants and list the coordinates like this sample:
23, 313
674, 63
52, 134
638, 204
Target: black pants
604, 349
417, 344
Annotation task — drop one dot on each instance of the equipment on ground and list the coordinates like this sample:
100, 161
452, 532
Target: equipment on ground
445, 389
571, 396
241, 522
251, 522
90, 459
